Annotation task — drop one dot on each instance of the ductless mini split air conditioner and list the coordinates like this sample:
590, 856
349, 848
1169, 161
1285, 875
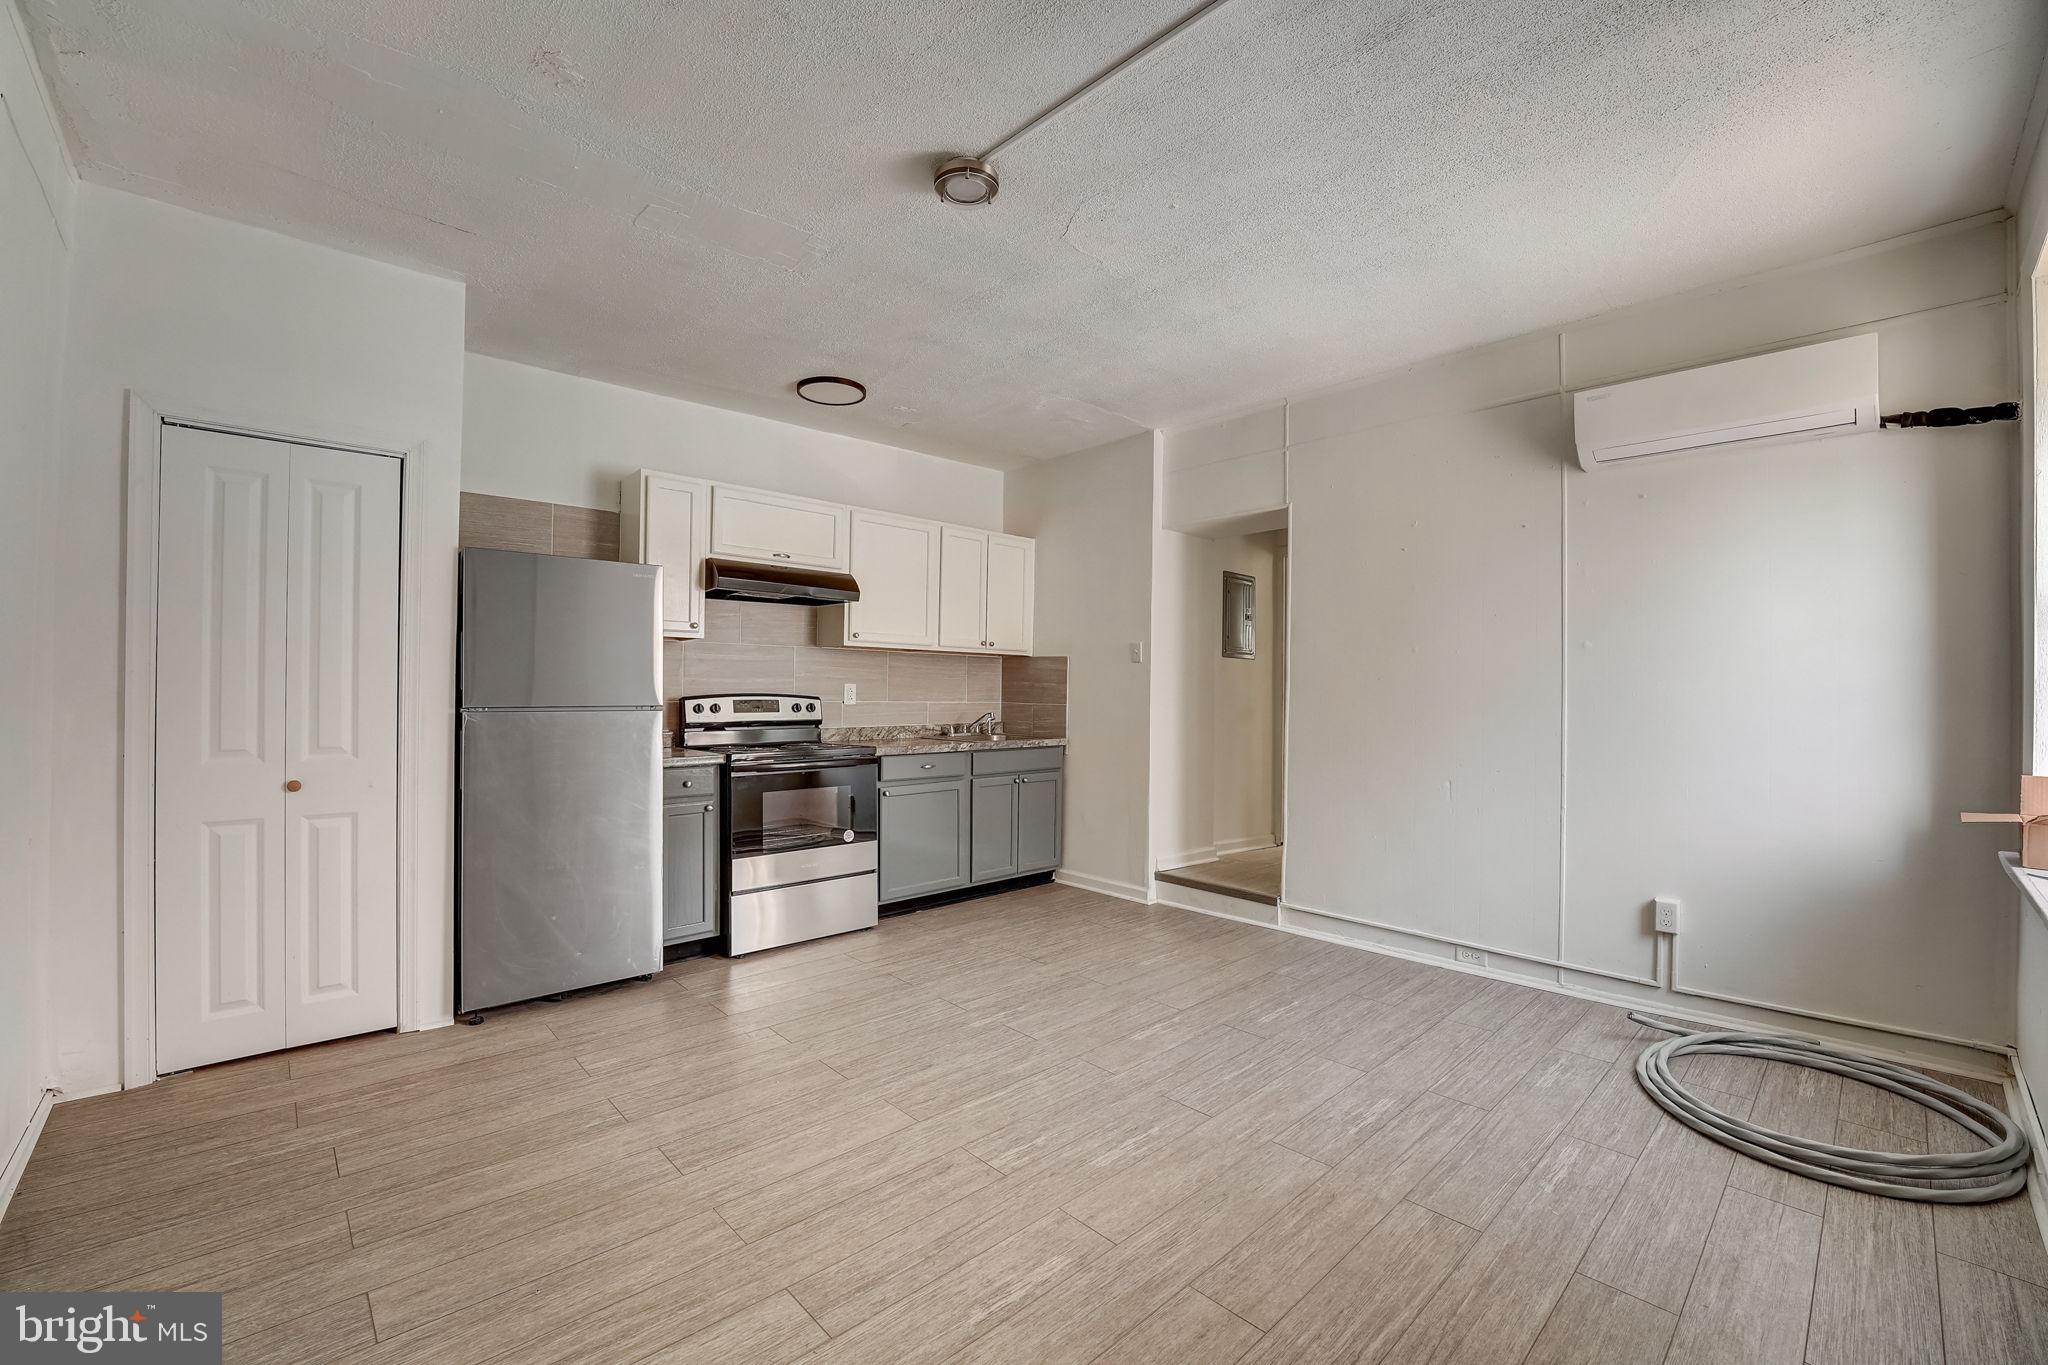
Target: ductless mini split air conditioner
1829, 389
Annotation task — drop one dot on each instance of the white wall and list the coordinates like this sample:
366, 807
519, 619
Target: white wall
1763, 683
1088, 513
2031, 293
533, 433
197, 313
36, 194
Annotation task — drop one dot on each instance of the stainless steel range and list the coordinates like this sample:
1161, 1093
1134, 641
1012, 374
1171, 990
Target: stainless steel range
800, 830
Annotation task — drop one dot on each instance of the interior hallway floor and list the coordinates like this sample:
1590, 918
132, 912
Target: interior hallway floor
1044, 1127
1253, 875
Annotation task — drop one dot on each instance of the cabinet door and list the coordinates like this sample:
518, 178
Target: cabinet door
777, 528
963, 589
674, 531
995, 828
1010, 568
924, 838
1038, 822
689, 882
896, 562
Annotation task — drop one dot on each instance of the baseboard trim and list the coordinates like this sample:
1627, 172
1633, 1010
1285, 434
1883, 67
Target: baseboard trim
2019, 1101
1225, 847
17, 1163
1103, 886
1662, 1005
1168, 862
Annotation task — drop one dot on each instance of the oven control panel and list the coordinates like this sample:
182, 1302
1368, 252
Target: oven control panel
748, 706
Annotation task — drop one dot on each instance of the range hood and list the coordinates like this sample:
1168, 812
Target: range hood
733, 580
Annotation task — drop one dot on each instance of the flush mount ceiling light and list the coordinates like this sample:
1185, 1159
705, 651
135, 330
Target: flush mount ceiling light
831, 391
970, 181
966, 181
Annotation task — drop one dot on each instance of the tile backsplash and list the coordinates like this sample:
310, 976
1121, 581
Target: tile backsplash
769, 647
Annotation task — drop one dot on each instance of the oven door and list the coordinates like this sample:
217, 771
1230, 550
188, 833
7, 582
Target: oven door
802, 809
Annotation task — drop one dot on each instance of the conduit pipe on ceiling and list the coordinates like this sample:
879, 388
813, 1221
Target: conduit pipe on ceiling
1157, 44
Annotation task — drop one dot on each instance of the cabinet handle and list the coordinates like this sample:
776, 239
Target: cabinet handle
924, 765
856, 635
292, 785
778, 554
693, 625
887, 792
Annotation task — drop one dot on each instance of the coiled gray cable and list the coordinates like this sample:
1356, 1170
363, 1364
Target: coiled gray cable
1997, 1171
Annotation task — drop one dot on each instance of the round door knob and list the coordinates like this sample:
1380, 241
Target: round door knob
292, 785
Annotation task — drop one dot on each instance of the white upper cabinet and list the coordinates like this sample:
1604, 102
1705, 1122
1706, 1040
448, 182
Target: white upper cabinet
1011, 566
666, 520
963, 589
985, 591
923, 584
777, 528
896, 563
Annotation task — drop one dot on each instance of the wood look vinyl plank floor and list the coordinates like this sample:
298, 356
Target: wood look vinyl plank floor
1046, 1126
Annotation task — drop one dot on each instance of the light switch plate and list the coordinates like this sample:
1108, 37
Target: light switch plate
1137, 651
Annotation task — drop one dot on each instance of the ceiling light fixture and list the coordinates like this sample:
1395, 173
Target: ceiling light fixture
831, 391
966, 181
970, 181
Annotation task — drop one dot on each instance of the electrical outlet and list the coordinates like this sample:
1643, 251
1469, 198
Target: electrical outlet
1472, 957
1667, 916
1137, 651
849, 694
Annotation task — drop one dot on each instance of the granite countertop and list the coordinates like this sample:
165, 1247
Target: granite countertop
953, 744
693, 758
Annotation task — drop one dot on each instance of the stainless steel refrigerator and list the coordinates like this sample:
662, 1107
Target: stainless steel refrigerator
558, 808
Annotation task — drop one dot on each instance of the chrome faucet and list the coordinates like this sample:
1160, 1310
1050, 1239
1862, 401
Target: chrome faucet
985, 722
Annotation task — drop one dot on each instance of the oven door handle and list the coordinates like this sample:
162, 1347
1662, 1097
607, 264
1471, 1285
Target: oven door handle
807, 765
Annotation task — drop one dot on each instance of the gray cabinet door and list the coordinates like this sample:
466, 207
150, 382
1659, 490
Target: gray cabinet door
924, 837
689, 858
1038, 822
995, 828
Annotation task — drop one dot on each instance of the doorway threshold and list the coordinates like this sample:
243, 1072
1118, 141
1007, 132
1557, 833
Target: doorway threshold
1253, 875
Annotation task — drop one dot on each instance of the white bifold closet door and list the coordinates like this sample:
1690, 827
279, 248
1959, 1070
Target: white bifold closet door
276, 746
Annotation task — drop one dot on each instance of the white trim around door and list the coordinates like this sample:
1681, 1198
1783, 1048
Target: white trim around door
147, 417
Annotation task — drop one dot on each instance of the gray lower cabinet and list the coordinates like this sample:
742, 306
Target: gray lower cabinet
995, 828
924, 835
1038, 822
960, 819
690, 862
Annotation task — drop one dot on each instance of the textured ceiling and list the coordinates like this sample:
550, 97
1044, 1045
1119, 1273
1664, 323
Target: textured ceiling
712, 198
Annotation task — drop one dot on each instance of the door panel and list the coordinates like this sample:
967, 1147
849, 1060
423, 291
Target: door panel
277, 661
220, 748
925, 829
1009, 593
550, 630
748, 523
1038, 822
676, 527
341, 745
995, 828
896, 561
560, 852
689, 855
963, 588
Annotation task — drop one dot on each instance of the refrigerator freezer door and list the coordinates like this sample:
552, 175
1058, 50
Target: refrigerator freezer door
549, 630
560, 852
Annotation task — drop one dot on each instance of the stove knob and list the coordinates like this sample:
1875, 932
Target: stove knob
714, 708
698, 709
810, 706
